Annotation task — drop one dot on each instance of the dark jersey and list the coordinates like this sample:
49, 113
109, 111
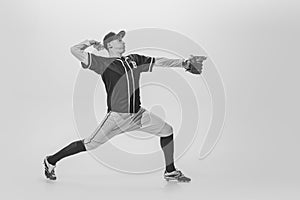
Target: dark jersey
121, 77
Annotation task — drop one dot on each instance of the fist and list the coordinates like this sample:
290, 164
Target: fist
197, 59
97, 45
195, 64
93, 42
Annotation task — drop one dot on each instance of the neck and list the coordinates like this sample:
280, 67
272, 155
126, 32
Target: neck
114, 54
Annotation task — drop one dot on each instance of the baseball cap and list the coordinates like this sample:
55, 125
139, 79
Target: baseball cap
112, 36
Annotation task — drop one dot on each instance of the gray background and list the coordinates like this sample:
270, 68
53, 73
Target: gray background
255, 45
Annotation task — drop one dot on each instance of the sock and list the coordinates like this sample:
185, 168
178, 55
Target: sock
71, 149
167, 145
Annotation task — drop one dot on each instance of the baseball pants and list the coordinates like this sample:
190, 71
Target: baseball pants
115, 123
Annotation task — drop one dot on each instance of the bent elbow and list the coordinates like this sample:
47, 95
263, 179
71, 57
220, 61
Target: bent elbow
73, 50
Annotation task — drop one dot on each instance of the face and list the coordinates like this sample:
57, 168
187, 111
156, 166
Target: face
117, 46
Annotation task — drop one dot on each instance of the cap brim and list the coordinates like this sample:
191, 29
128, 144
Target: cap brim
121, 34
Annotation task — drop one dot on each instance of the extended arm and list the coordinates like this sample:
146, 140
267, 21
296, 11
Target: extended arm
193, 64
167, 62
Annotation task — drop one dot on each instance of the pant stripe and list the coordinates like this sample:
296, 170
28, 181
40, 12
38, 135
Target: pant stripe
99, 127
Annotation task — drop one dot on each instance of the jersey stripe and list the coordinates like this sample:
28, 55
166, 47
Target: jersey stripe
127, 84
98, 128
89, 60
133, 91
150, 65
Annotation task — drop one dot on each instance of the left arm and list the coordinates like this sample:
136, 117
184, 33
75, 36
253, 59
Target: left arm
167, 62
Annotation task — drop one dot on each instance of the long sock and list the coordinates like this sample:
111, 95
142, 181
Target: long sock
71, 149
167, 145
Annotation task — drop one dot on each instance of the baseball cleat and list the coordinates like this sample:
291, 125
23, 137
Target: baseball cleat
176, 175
49, 169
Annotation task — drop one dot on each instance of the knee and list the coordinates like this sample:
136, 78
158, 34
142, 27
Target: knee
91, 145
167, 130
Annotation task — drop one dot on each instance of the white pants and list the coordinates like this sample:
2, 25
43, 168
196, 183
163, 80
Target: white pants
115, 123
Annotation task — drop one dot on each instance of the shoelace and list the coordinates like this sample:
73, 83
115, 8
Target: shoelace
180, 174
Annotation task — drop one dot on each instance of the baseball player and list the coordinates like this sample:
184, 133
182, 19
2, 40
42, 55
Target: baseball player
121, 75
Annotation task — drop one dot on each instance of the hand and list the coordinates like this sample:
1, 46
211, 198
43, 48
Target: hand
93, 42
97, 45
194, 64
198, 59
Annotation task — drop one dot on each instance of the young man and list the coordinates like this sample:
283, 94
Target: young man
121, 75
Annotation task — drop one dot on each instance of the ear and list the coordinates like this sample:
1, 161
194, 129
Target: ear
109, 45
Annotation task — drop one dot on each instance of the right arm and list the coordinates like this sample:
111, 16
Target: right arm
78, 50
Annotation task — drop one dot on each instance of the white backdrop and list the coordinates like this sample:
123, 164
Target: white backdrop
255, 45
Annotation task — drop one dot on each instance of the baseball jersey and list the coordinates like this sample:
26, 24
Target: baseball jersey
121, 77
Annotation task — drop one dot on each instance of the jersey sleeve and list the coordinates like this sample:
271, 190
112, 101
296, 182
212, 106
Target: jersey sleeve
95, 63
144, 63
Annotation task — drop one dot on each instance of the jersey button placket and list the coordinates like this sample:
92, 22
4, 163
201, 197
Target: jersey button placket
133, 84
